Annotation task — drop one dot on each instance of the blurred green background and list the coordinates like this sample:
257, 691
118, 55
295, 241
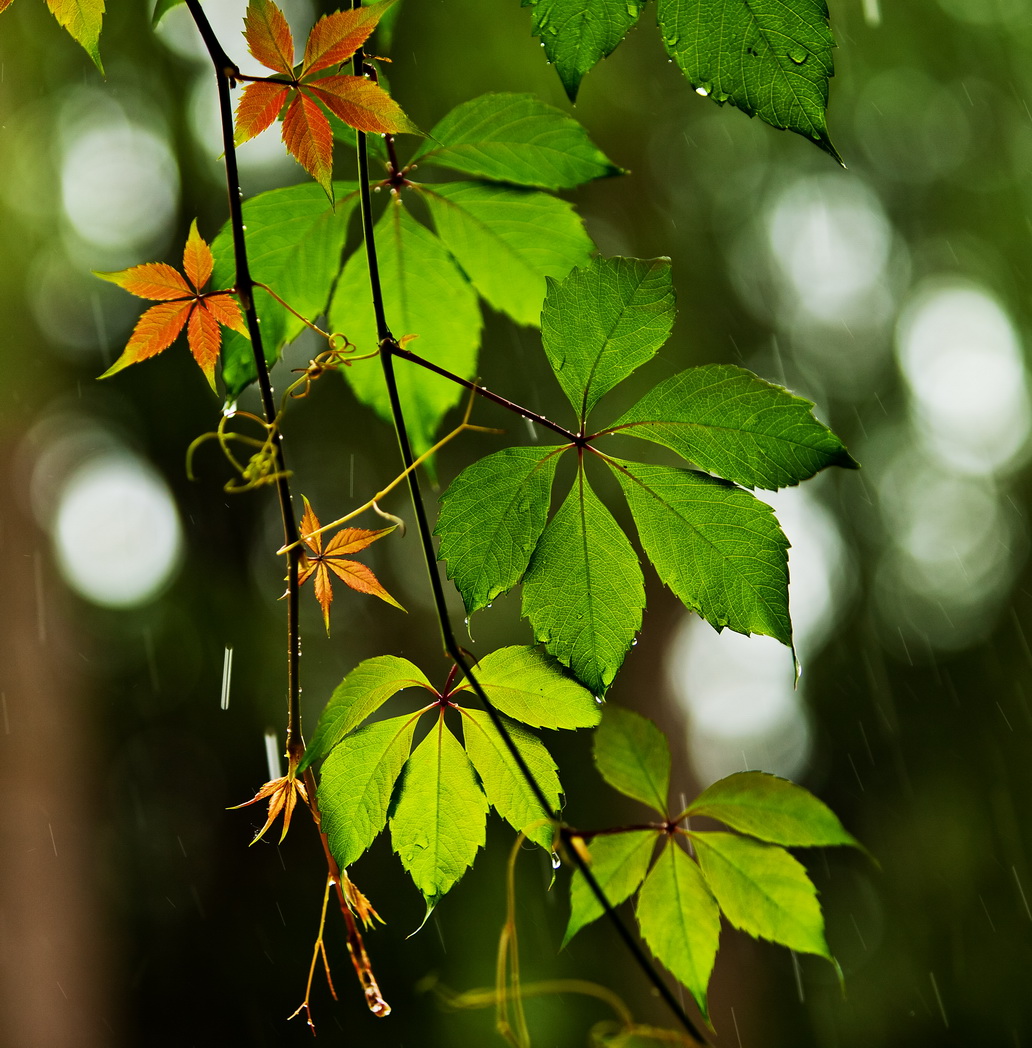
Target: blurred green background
891, 293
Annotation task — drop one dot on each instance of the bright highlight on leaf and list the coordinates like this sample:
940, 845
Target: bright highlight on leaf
319, 561
302, 98
183, 304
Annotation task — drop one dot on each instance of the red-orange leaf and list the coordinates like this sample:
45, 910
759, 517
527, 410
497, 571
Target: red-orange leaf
268, 36
309, 137
180, 304
335, 38
259, 105
320, 561
362, 104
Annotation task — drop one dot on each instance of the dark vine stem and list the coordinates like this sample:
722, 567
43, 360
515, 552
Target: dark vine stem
389, 349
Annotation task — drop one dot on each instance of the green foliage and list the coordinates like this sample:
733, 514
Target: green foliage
631, 754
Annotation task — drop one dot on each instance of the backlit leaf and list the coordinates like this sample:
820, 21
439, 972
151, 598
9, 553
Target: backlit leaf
83, 20
577, 34
632, 755
772, 809
503, 782
603, 321
619, 862
424, 294
336, 37
729, 422
515, 138
530, 687
491, 518
356, 783
583, 592
679, 919
362, 692
307, 136
496, 234
361, 104
762, 890
719, 548
438, 824
268, 36
770, 58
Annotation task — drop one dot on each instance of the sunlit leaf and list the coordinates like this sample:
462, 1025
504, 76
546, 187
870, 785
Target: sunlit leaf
424, 294
268, 36
532, 688
495, 233
361, 693
502, 779
577, 34
491, 518
619, 862
336, 37
361, 104
603, 321
438, 824
762, 890
515, 138
83, 20
731, 423
308, 138
356, 782
583, 592
632, 755
769, 58
679, 919
719, 548
772, 809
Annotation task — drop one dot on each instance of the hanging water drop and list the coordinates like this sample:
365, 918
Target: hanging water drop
556, 861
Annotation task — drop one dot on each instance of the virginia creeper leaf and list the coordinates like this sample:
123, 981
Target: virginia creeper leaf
529, 686
438, 824
577, 34
424, 294
583, 592
515, 138
83, 20
182, 304
762, 890
619, 862
161, 8
769, 58
719, 548
679, 919
729, 422
495, 233
362, 692
356, 782
632, 755
294, 243
491, 518
320, 560
603, 321
503, 782
772, 809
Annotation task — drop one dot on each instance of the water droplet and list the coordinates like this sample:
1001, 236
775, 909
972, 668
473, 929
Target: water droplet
634, 642
702, 89
798, 55
556, 861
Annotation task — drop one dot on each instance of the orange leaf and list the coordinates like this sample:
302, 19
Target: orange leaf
197, 260
258, 107
268, 36
205, 341
226, 310
362, 104
351, 540
154, 280
4, 5
360, 578
309, 137
335, 38
155, 331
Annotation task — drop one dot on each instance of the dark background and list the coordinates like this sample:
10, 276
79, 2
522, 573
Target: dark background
891, 293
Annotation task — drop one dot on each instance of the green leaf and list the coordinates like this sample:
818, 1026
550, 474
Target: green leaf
772, 809
362, 692
83, 19
498, 236
577, 34
769, 58
583, 592
604, 321
438, 824
356, 782
515, 138
731, 423
619, 862
294, 242
762, 890
719, 548
632, 755
491, 518
680, 921
161, 8
503, 782
425, 294
527, 685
